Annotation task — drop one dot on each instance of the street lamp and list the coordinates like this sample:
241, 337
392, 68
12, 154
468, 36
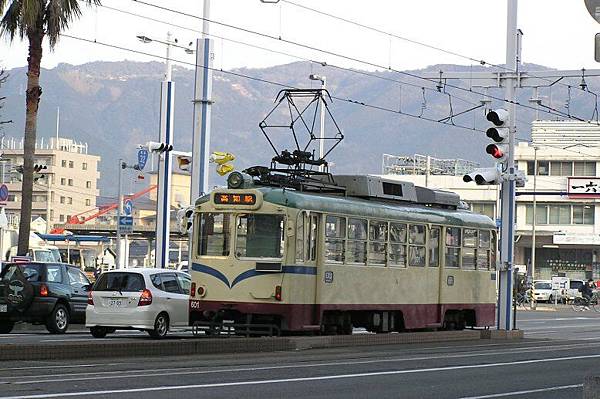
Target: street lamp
323, 81
169, 43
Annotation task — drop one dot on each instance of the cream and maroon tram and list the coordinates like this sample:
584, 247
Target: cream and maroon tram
383, 255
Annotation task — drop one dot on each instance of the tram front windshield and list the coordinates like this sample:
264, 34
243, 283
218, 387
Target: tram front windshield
256, 235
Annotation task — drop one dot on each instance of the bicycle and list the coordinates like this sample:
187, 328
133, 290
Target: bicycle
580, 304
523, 300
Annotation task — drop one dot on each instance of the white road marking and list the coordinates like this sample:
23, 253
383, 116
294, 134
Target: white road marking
516, 393
73, 366
304, 379
125, 374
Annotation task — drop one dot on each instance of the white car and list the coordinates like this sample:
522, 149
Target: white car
542, 291
152, 300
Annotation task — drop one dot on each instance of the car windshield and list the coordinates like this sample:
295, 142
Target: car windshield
543, 286
31, 272
56, 254
120, 281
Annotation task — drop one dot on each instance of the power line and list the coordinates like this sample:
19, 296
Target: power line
244, 76
551, 111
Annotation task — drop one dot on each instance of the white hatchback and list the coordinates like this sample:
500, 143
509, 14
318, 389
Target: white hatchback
152, 300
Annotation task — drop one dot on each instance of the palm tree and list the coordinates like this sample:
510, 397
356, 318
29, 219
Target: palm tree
34, 20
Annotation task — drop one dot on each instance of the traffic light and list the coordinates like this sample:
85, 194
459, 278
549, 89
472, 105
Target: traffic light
184, 219
37, 172
159, 147
484, 176
499, 133
184, 162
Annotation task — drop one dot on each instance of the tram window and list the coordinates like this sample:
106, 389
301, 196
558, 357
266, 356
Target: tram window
484, 239
335, 233
493, 251
434, 246
377, 244
470, 238
312, 238
300, 238
356, 247
397, 232
213, 239
416, 248
483, 252
398, 253
469, 258
259, 236
453, 242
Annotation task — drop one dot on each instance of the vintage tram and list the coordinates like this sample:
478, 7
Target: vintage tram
374, 253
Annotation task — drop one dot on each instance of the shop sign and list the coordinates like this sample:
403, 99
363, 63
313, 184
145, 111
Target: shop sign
576, 239
583, 187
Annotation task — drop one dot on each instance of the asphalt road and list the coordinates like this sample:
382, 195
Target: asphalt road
561, 349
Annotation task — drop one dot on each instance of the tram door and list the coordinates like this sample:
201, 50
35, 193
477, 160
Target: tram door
435, 265
308, 255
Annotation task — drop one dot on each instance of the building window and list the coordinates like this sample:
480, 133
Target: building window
559, 214
52, 196
583, 214
62, 200
12, 198
63, 163
88, 184
61, 218
39, 198
84, 166
584, 169
51, 214
70, 182
63, 181
561, 168
88, 202
70, 201
71, 164
543, 168
484, 208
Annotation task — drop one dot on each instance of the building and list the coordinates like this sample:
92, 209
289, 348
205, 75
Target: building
66, 187
562, 162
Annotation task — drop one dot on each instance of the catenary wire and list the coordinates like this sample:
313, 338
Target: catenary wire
550, 110
254, 78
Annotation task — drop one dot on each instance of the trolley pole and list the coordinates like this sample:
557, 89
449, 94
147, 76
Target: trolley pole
119, 263
505, 286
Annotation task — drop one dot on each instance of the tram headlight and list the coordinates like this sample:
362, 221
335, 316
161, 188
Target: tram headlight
239, 180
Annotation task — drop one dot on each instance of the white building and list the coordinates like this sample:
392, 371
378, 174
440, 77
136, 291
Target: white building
567, 227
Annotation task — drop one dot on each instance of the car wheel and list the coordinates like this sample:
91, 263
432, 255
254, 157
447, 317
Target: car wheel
6, 327
58, 321
161, 326
99, 332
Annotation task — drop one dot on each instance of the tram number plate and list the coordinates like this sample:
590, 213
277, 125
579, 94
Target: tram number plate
3, 308
115, 303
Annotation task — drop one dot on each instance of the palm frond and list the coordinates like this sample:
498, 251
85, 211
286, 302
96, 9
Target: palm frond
59, 14
10, 25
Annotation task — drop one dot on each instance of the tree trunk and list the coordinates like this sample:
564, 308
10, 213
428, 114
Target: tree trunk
32, 99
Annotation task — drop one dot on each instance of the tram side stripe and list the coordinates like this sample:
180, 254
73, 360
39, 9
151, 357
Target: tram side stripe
197, 267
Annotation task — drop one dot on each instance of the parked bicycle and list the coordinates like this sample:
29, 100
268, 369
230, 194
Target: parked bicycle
580, 304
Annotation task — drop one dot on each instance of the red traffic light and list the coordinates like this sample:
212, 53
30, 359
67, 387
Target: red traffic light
495, 151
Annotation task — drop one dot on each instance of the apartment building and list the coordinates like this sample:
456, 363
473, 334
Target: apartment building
565, 156
67, 187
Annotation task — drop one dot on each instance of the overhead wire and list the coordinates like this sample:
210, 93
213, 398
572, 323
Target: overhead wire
266, 81
548, 109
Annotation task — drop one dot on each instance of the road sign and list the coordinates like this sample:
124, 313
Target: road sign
3, 193
126, 224
142, 157
128, 207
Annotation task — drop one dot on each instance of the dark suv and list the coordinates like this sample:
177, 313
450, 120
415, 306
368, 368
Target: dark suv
53, 294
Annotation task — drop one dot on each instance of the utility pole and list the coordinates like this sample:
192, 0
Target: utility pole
531, 269
119, 263
202, 114
323, 81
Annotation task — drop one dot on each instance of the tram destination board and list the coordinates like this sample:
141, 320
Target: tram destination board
235, 199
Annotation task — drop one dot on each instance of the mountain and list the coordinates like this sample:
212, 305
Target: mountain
114, 106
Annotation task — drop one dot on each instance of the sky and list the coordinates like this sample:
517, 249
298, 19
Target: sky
557, 33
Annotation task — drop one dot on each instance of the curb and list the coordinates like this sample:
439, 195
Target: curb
203, 346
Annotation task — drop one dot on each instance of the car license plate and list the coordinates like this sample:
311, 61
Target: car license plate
115, 303
3, 308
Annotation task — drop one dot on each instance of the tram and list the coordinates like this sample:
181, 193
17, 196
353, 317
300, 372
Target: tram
353, 252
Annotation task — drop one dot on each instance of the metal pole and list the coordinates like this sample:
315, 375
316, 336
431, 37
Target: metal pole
531, 270
322, 121
119, 212
168, 59
505, 294
202, 113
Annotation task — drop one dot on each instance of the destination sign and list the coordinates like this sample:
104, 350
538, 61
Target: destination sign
235, 199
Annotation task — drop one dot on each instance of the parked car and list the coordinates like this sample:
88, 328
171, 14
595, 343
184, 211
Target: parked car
542, 291
53, 294
152, 300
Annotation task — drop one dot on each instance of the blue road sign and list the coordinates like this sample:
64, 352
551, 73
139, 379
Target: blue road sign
142, 157
128, 207
126, 224
3, 192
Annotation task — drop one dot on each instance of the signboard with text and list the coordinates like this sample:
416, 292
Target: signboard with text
583, 187
126, 224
